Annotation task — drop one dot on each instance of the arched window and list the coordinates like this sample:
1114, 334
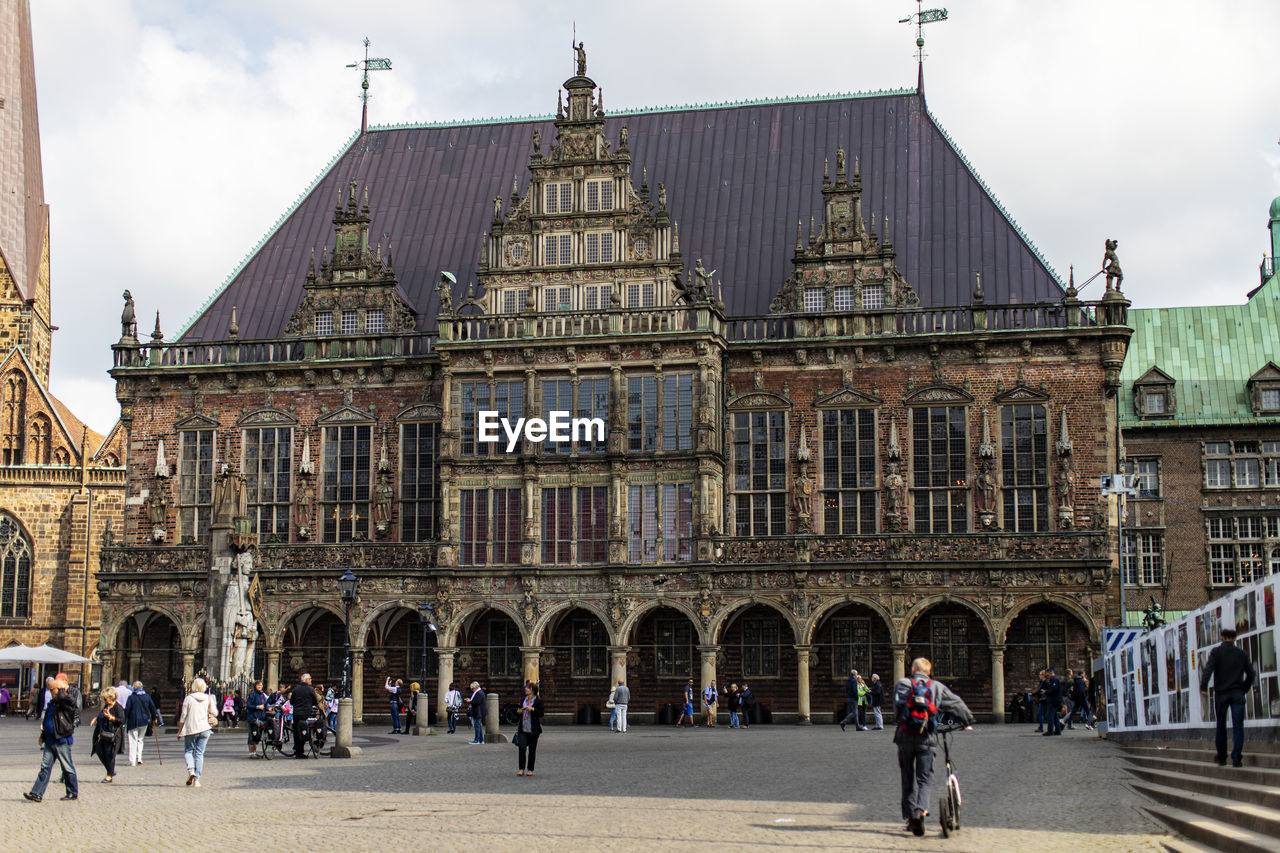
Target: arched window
40, 432
15, 570
13, 416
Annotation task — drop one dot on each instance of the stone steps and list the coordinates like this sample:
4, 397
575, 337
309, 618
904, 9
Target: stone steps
1209, 834
1221, 823
1251, 758
1239, 791
1207, 769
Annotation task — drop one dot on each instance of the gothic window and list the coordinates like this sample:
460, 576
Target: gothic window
590, 648
40, 436
661, 522
324, 324
344, 501
597, 297
195, 485
557, 197
760, 473
677, 412
15, 416
760, 646
599, 247
600, 194
673, 640
593, 524
949, 645
15, 570
419, 481
504, 649
61, 456
506, 397
1025, 454
557, 250
490, 526
1148, 473
557, 525
1046, 639
557, 299
593, 402
872, 297
267, 458
940, 479
350, 322
844, 298
815, 299
557, 396
849, 471
374, 321
642, 411
850, 646
1144, 559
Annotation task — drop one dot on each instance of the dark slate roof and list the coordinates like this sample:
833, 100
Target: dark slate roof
738, 177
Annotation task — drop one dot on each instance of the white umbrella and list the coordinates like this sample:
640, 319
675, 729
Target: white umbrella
15, 653
40, 654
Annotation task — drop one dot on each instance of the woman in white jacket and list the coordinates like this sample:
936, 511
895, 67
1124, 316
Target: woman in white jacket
199, 716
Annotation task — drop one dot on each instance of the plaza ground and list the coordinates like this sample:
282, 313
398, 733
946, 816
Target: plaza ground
810, 788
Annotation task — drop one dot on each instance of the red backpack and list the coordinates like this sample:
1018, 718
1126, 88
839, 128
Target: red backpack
919, 712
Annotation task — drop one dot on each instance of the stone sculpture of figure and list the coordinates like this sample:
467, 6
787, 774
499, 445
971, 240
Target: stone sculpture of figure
128, 319
445, 290
497, 207
662, 196
383, 494
537, 141
108, 535
228, 496
986, 491
158, 511
234, 603
839, 159
582, 59
243, 638
895, 495
622, 137
303, 507
1111, 265
802, 495
702, 281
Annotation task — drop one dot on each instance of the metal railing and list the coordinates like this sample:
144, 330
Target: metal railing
236, 352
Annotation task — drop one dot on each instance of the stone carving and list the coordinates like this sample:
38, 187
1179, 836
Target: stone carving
1111, 265
581, 56
304, 498
802, 489
158, 510
108, 535
128, 320
238, 626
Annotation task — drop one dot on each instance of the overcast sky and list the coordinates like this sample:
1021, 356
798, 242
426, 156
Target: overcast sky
176, 133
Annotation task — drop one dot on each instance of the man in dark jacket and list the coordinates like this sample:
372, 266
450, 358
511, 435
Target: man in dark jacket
851, 701
748, 702
303, 700
256, 717
915, 751
475, 710
1080, 696
877, 701
57, 734
1052, 704
138, 714
1232, 674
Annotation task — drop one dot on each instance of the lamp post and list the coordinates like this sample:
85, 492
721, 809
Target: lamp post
348, 584
427, 615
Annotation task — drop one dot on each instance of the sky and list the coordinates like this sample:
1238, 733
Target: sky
175, 132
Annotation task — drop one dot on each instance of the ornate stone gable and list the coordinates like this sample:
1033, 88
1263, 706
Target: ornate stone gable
1022, 394
843, 267
846, 398
938, 394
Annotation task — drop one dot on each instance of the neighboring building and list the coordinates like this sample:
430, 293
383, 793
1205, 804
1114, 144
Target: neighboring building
838, 451
1200, 415
60, 482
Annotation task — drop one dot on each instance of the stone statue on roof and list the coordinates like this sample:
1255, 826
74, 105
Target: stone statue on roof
582, 59
128, 319
1111, 265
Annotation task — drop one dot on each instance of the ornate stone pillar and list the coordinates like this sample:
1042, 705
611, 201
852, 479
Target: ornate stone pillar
802, 696
188, 668
135, 667
446, 677
357, 686
618, 663
899, 661
108, 657
997, 684
530, 655
708, 665
273, 669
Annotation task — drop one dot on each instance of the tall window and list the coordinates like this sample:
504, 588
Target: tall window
642, 412
490, 526
760, 473
1046, 640
593, 524
557, 250
592, 401
1247, 465
1144, 559
590, 649
850, 646
599, 246
557, 396
661, 522
949, 645
1025, 453
505, 396
15, 570
267, 457
760, 647
557, 525
1271, 462
677, 411
849, 471
1217, 464
940, 471
600, 194
504, 649
673, 640
195, 485
1148, 473
419, 481
557, 197
344, 499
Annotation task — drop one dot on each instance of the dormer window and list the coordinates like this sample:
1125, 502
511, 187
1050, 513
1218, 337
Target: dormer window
1153, 395
513, 300
1154, 403
844, 298
350, 322
1264, 391
872, 297
600, 194
556, 250
324, 324
557, 197
815, 299
374, 321
599, 247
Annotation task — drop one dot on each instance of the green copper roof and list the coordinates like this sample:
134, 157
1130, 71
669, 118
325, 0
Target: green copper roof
1210, 351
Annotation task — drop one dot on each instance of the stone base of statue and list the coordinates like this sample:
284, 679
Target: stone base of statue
342, 747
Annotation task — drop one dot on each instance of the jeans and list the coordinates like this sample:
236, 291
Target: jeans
875, 710
135, 738
529, 745
622, 721
478, 723
60, 753
915, 764
613, 718
453, 719
1234, 700
395, 717
852, 716
733, 719
193, 751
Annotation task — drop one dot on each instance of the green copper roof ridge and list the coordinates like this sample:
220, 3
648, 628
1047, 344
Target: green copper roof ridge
713, 105
1035, 250
271, 231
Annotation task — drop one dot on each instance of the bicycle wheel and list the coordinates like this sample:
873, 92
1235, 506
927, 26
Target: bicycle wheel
944, 814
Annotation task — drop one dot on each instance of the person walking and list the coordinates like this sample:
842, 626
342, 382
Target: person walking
612, 704
452, 703
687, 710
303, 699
198, 718
331, 707
530, 728
57, 735
139, 714
1232, 674
394, 690
876, 698
4, 702
621, 699
748, 702
229, 710
1079, 694
850, 699
475, 710
1040, 700
733, 701
918, 700
106, 730
255, 717
710, 698
1052, 704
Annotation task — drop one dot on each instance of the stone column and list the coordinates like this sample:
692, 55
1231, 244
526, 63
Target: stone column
491, 734
273, 669
342, 747
135, 667
802, 697
446, 677
997, 684
357, 686
108, 657
618, 663
188, 668
530, 655
899, 661
421, 714
708, 675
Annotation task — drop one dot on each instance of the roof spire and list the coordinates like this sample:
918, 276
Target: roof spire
799, 226
826, 173
810, 231
367, 65
515, 191
157, 336
920, 18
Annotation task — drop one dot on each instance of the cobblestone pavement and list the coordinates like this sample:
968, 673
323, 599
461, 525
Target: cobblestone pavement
651, 789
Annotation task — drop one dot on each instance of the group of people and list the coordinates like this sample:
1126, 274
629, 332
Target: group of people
860, 696
738, 701
1055, 703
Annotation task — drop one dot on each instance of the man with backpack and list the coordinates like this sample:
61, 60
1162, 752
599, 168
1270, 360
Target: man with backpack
918, 701
57, 734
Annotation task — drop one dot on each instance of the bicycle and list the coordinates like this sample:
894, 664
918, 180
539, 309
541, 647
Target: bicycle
317, 734
949, 802
274, 733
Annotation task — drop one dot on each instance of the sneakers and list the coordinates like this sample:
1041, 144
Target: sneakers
916, 823
842, 727
71, 797
195, 784
1237, 762
35, 798
476, 743
862, 728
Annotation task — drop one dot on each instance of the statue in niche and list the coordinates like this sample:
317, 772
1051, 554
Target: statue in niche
802, 496
237, 618
383, 494
1111, 265
986, 488
229, 496
895, 489
303, 507
158, 511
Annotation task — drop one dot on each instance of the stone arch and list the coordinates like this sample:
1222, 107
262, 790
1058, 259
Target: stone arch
1073, 607
191, 633
727, 614
925, 604
553, 617
282, 622
391, 635
629, 624
833, 604
471, 611
110, 635
360, 630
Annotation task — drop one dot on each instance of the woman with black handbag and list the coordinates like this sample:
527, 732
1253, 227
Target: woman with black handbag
529, 729
106, 731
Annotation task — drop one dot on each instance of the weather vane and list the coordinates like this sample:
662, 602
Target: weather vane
920, 18
373, 64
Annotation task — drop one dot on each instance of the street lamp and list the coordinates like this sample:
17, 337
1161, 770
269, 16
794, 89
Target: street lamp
347, 586
427, 615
